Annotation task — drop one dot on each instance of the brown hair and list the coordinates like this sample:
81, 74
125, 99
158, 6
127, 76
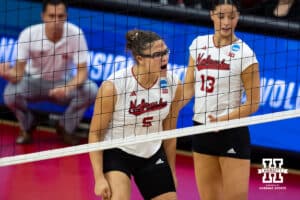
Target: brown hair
139, 40
215, 3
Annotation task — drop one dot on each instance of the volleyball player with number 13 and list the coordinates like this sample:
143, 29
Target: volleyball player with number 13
221, 68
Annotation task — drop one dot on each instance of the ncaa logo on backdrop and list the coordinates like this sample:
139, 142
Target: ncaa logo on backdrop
272, 174
235, 47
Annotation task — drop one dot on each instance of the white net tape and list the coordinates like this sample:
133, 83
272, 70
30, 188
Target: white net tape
85, 148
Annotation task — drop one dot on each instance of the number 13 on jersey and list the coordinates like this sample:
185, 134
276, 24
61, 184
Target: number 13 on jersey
207, 83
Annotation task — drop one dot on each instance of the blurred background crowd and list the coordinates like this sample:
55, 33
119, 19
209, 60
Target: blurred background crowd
285, 9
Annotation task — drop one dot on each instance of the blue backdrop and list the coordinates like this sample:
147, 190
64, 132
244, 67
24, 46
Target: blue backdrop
279, 60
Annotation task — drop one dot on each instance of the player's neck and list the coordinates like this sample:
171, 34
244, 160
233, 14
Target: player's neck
144, 77
224, 41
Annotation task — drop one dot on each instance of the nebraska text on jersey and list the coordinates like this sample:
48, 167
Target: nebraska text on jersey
139, 111
144, 107
208, 63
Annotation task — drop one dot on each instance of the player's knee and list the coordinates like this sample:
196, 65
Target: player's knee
9, 99
120, 196
241, 195
11, 96
89, 91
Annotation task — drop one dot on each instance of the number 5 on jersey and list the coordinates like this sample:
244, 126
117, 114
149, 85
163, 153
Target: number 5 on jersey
147, 121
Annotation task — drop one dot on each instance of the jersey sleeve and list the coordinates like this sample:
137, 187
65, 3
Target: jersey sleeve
81, 52
23, 45
248, 57
119, 80
193, 48
198, 43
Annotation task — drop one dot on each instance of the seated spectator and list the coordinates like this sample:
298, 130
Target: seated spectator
46, 54
191, 3
283, 8
181, 3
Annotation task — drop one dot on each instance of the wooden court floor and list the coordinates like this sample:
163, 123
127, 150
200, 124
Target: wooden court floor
71, 178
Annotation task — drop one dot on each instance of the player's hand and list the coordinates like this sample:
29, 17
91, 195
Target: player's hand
212, 118
4, 69
102, 189
58, 93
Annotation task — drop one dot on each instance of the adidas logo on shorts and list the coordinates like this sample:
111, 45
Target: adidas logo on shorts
159, 161
231, 151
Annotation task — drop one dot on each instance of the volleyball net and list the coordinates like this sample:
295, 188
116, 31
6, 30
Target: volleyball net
176, 133
279, 60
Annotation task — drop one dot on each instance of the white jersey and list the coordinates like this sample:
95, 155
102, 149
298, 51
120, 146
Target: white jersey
139, 111
48, 60
218, 87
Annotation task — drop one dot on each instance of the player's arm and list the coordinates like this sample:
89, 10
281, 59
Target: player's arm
170, 123
251, 81
14, 74
74, 83
189, 82
80, 58
80, 77
103, 111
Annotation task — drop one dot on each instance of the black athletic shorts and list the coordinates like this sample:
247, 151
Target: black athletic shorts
227, 143
152, 175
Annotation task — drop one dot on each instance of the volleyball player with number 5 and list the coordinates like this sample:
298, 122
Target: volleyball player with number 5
221, 68
137, 101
